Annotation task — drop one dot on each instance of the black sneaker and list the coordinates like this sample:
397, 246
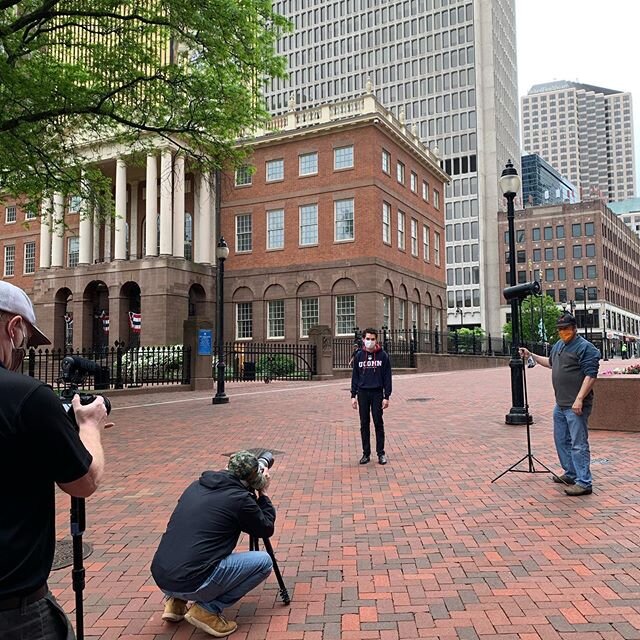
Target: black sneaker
563, 479
382, 459
365, 459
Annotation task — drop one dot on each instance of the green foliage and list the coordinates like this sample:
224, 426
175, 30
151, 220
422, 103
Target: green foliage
150, 361
276, 366
132, 73
470, 340
535, 309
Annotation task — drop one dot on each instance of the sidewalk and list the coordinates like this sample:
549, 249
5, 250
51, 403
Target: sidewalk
425, 547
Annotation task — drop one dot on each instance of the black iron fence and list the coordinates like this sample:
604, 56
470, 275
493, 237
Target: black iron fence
117, 367
402, 345
267, 361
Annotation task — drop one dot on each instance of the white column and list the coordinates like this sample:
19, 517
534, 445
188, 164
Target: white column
96, 235
178, 207
133, 224
196, 219
108, 223
166, 195
120, 221
85, 253
45, 233
57, 243
204, 234
151, 229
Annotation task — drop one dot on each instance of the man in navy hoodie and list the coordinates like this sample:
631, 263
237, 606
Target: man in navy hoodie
194, 560
370, 392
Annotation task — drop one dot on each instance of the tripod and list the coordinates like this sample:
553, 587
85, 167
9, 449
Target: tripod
78, 572
529, 457
253, 546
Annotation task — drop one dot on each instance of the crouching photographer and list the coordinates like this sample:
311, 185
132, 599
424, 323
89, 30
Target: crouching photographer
39, 447
194, 561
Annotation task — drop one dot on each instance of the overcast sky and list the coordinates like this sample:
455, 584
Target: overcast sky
588, 41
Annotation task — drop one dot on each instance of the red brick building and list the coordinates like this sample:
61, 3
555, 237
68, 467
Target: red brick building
339, 222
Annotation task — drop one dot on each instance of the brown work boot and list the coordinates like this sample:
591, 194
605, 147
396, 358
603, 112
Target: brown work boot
213, 623
174, 610
578, 490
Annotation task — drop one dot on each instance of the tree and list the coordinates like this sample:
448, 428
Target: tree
78, 71
539, 317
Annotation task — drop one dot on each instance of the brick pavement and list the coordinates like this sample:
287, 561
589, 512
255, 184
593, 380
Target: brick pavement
425, 547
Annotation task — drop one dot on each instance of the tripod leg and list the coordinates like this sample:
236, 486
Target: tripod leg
284, 594
511, 468
78, 572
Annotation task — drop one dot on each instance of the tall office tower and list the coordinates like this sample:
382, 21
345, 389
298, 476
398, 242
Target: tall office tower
584, 132
447, 67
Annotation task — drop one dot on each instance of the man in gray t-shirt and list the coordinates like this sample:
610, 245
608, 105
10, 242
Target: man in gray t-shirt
574, 365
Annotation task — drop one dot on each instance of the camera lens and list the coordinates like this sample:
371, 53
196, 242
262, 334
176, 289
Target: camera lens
266, 460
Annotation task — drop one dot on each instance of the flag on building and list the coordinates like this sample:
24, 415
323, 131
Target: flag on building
68, 320
135, 321
104, 316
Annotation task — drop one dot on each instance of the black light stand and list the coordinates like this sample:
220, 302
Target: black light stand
253, 546
78, 525
529, 457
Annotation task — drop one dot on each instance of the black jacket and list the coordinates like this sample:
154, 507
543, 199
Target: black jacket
371, 371
204, 528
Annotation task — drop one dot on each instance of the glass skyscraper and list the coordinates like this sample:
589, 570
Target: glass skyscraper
448, 69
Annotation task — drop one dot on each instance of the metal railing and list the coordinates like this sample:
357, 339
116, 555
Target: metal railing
250, 361
118, 367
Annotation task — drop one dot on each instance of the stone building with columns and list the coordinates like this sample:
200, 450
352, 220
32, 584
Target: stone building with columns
338, 220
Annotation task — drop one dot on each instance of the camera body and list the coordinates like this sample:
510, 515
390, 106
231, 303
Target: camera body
74, 370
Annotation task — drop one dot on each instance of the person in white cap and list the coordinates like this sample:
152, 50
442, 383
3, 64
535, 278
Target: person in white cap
39, 447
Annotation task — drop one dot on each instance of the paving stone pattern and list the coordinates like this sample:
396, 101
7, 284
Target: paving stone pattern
424, 547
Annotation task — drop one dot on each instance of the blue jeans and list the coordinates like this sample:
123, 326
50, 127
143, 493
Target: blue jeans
571, 435
233, 577
40, 620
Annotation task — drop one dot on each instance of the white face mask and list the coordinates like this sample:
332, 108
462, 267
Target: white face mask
19, 352
369, 344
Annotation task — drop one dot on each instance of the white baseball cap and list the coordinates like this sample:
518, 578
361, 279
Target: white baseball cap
15, 301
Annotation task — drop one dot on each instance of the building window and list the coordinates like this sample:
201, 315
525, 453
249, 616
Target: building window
559, 231
29, 257
436, 199
520, 236
386, 312
535, 234
537, 255
75, 202
400, 172
343, 219
414, 314
578, 273
576, 230
309, 315
386, 223
30, 213
275, 170
425, 191
275, 319
244, 320
522, 277
548, 275
401, 230
562, 274
592, 271
10, 214
592, 293
188, 236
9, 260
562, 295
560, 253
414, 182
548, 254
414, 237
402, 315
345, 315
309, 224
577, 251
425, 243
551, 293
243, 176
73, 252
308, 164
436, 247
548, 233
578, 294
590, 250
386, 161
343, 157
521, 257
275, 229
244, 240
589, 229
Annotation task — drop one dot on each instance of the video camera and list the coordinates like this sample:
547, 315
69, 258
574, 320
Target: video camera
521, 291
74, 370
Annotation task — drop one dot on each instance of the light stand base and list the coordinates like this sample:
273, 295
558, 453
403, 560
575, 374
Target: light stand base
532, 469
223, 399
518, 417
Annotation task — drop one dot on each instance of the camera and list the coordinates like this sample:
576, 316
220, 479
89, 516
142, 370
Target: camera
521, 291
74, 370
265, 461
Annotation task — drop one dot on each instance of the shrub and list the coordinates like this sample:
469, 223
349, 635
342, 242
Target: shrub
276, 366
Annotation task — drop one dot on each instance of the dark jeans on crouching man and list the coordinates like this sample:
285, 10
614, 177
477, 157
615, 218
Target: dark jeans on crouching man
370, 404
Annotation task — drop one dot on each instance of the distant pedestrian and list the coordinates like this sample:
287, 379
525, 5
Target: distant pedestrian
370, 392
574, 363
623, 350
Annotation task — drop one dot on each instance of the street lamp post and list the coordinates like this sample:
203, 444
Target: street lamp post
510, 183
584, 293
605, 346
222, 253
461, 312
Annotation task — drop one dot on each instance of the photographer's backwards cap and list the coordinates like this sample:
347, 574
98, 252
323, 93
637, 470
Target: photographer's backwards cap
14, 301
244, 465
566, 320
